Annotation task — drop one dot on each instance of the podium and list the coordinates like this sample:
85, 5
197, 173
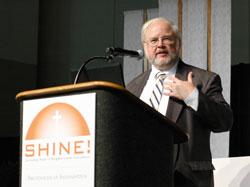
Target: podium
128, 143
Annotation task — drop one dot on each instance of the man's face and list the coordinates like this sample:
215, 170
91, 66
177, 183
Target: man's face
160, 45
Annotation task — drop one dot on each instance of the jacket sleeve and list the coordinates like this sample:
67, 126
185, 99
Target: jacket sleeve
212, 108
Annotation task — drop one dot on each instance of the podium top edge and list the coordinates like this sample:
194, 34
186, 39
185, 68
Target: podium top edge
66, 89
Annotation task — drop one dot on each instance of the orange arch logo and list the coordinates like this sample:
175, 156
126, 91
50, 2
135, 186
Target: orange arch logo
57, 120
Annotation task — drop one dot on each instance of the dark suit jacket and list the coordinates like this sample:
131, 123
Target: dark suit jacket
213, 114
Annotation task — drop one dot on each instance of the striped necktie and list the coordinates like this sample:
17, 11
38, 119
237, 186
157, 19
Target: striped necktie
156, 95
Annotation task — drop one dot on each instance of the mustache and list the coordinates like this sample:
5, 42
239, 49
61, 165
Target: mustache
161, 52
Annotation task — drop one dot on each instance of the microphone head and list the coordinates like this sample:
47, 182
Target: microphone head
119, 52
110, 50
141, 54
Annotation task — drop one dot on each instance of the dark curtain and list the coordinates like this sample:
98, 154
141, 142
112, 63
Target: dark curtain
9, 162
240, 103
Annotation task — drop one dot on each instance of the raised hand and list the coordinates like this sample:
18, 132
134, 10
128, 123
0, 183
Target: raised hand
175, 87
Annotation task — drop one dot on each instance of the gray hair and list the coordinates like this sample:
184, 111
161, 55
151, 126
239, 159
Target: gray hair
146, 25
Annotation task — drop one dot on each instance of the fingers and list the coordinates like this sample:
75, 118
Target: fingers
168, 87
170, 81
190, 77
178, 88
174, 79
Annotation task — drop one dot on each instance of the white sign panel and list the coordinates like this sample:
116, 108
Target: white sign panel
58, 141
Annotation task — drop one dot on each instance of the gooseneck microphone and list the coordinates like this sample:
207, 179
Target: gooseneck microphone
124, 52
113, 52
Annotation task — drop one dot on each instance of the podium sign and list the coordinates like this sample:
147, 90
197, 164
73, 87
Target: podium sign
58, 141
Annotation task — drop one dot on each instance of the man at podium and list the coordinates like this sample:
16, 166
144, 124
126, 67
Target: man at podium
187, 95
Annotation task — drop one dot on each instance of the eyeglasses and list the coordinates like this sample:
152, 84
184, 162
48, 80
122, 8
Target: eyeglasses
167, 40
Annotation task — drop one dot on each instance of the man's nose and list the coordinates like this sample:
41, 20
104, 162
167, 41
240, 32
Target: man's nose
160, 43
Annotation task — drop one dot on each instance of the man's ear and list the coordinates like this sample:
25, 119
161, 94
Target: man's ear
144, 47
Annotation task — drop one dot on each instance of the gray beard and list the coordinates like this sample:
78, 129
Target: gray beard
173, 57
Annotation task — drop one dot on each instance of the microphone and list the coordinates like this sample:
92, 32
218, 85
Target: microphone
124, 52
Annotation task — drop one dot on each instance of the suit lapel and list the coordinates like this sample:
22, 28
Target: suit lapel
175, 105
141, 82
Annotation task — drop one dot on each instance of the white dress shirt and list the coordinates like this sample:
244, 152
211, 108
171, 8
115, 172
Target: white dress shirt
191, 100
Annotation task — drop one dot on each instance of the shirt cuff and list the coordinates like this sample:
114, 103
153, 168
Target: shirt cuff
193, 99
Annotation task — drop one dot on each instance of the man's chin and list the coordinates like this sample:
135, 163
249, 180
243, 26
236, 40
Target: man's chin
162, 65
162, 62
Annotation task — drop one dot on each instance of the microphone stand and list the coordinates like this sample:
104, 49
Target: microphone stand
107, 58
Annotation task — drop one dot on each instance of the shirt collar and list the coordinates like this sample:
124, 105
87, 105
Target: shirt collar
168, 72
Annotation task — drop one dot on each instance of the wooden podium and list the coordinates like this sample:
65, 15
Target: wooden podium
133, 142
